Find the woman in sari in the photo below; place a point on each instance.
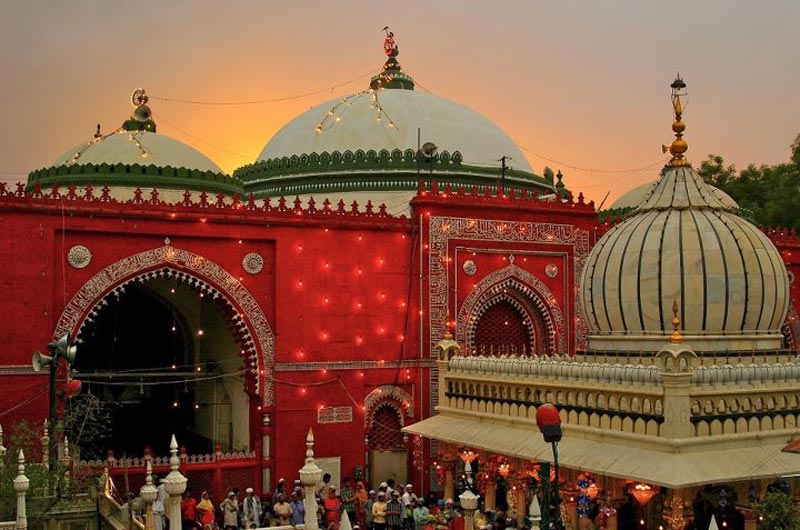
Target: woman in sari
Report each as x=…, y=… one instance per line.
x=205, y=512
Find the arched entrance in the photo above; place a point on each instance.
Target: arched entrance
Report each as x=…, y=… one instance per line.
x=385, y=412
x=509, y=309
x=172, y=351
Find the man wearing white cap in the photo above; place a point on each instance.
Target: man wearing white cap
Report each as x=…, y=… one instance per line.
x=408, y=499
x=379, y=512
x=230, y=511
x=251, y=509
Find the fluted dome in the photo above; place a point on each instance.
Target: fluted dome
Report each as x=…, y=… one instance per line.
x=638, y=195
x=684, y=242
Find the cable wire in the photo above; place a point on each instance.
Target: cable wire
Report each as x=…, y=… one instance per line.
x=273, y=100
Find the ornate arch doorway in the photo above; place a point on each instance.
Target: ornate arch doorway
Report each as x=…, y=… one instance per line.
x=510, y=311
x=386, y=410
x=170, y=351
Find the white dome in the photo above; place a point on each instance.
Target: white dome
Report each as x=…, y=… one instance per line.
x=121, y=148
x=683, y=243
x=636, y=196
x=452, y=127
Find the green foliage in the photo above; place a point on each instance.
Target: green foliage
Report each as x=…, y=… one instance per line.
x=778, y=512
x=767, y=195
x=22, y=436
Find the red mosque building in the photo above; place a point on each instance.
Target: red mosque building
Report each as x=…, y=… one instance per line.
x=309, y=289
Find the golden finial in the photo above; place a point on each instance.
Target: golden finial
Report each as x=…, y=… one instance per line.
x=678, y=146
x=676, y=336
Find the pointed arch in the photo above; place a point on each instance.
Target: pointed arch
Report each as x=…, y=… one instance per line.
x=249, y=320
x=529, y=288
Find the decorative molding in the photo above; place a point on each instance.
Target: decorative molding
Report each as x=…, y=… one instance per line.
x=335, y=415
x=531, y=287
x=79, y=256
x=88, y=200
x=19, y=369
x=132, y=175
x=380, y=170
x=353, y=365
x=469, y=267
x=252, y=263
x=444, y=229
x=389, y=395
x=248, y=314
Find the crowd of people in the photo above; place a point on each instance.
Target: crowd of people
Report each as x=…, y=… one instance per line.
x=389, y=507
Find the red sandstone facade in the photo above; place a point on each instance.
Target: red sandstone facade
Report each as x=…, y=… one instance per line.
x=337, y=330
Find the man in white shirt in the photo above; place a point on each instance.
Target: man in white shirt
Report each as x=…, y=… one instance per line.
x=409, y=500
x=252, y=510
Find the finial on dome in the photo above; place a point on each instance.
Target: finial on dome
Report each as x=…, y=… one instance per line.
x=678, y=146
x=392, y=75
x=389, y=45
x=676, y=336
x=142, y=117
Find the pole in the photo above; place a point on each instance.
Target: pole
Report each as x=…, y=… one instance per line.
x=557, y=522
x=503, y=168
x=51, y=442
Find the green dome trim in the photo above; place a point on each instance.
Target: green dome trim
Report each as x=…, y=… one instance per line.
x=135, y=175
x=372, y=171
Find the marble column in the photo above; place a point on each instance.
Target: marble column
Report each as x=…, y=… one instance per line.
x=175, y=485
x=449, y=480
x=21, y=485
x=310, y=475
x=149, y=494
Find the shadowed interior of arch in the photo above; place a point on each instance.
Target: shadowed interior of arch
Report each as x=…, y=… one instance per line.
x=162, y=352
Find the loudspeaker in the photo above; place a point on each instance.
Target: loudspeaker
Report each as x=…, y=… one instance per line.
x=64, y=347
x=40, y=361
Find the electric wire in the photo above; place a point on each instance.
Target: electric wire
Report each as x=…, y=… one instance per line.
x=273, y=100
x=161, y=118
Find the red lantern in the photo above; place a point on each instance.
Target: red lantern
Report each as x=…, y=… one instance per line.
x=549, y=422
x=72, y=388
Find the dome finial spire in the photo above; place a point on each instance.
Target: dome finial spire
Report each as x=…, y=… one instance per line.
x=678, y=146
x=392, y=75
x=142, y=117
x=676, y=336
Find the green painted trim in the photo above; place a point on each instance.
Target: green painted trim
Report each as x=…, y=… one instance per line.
x=135, y=175
x=318, y=171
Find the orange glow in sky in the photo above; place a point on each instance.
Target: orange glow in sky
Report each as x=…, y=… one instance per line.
x=585, y=84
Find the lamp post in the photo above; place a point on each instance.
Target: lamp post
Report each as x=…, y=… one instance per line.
x=549, y=423
x=62, y=348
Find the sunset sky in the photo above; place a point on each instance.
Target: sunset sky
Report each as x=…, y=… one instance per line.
x=585, y=84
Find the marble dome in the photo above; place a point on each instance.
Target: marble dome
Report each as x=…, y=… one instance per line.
x=133, y=158
x=354, y=125
x=371, y=146
x=636, y=196
x=684, y=243
x=156, y=149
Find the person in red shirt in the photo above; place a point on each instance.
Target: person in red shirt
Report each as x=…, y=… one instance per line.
x=188, y=510
x=333, y=509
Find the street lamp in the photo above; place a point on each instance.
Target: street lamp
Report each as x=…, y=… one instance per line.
x=62, y=348
x=549, y=422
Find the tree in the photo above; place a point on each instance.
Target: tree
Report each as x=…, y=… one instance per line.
x=767, y=195
x=777, y=512
x=87, y=424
